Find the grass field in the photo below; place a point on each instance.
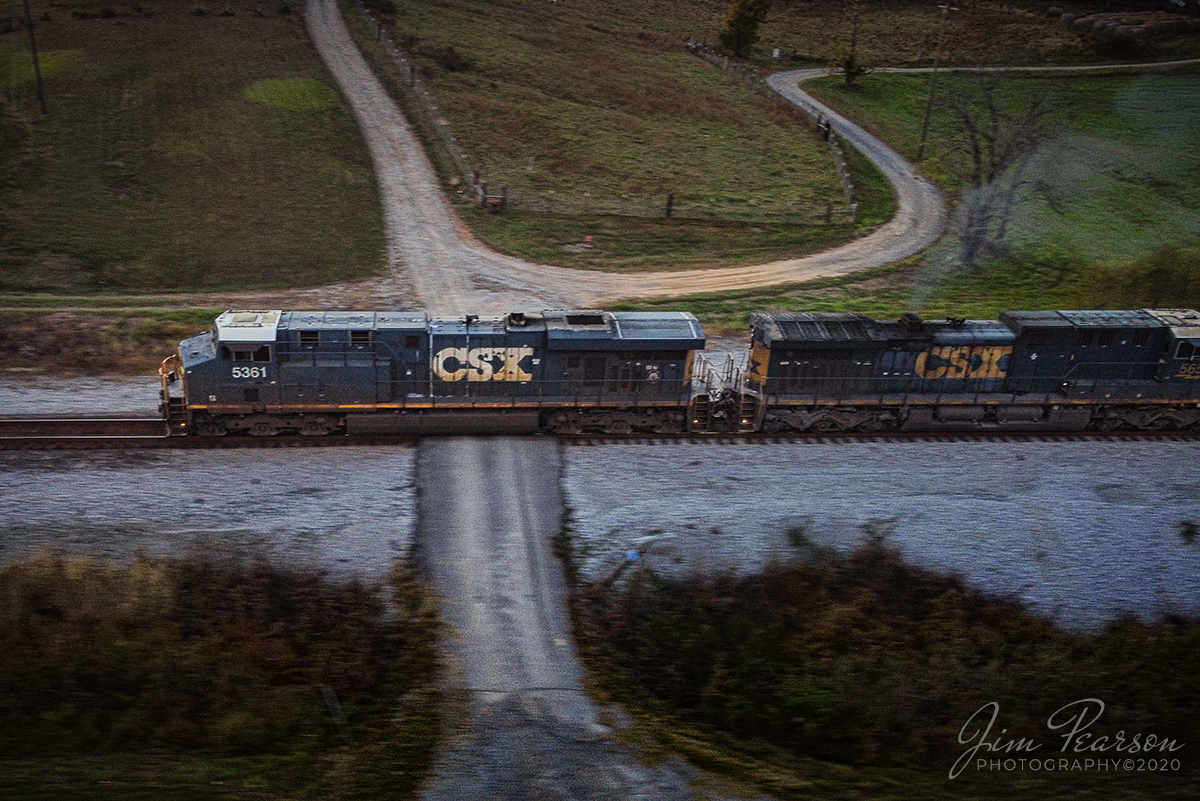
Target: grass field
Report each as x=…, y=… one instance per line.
x=181, y=151
x=1110, y=216
x=593, y=115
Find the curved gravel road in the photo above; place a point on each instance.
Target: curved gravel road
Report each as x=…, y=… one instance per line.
x=452, y=273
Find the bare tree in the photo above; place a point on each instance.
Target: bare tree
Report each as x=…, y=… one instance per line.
x=999, y=132
x=846, y=57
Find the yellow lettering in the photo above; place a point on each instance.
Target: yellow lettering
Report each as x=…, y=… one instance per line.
x=480, y=359
x=992, y=367
x=960, y=360
x=459, y=355
x=922, y=366
x=481, y=364
x=512, y=365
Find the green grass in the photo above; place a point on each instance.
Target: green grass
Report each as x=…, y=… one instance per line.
x=294, y=94
x=1117, y=178
x=1163, y=278
x=591, y=116
x=180, y=152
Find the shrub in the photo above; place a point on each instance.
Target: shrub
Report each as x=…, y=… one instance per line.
x=449, y=59
x=214, y=654
x=1164, y=278
x=866, y=659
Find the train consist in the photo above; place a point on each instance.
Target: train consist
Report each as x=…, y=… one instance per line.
x=587, y=371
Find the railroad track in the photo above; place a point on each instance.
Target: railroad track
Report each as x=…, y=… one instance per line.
x=89, y=428
x=110, y=431
x=96, y=432
x=825, y=438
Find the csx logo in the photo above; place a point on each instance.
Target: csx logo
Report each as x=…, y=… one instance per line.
x=964, y=362
x=481, y=364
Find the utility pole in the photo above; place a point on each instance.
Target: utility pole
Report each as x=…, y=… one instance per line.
x=37, y=69
x=937, y=58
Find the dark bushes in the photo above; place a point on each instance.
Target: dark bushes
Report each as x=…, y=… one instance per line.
x=867, y=659
x=1164, y=278
x=216, y=655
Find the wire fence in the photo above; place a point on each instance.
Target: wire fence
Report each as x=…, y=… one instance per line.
x=816, y=118
x=574, y=204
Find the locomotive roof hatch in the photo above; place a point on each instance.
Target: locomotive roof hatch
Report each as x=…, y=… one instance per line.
x=1184, y=323
x=816, y=328
x=602, y=330
x=248, y=326
x=808, y=330
x=352, y=321
x=1022, y=321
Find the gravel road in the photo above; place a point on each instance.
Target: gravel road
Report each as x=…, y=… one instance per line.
x=488, y=510
x=451, y=273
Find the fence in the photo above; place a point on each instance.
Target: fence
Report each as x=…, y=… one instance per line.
x=678, y=205
x=423, y=104
x=823, y=125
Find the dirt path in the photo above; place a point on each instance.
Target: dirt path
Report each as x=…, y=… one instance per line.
x=451, y=273
x=487, y=510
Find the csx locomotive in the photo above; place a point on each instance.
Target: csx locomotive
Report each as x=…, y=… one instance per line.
x=270, y=372
x=576, y=371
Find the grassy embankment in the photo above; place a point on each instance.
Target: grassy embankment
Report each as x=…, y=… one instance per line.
x=209, y=677
x=182, y=152
x=855, y=676
x=1109, y=218
x=593, y=114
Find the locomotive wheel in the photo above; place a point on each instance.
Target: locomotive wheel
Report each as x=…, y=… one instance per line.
x=562, y=423
x=315, y=428
x=263, y=429
x=211, y=428
x=619, y=427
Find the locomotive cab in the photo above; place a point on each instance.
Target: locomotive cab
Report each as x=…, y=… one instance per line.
x=1180, y=365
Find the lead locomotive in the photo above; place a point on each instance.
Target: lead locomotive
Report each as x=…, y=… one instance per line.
x=269, y=372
